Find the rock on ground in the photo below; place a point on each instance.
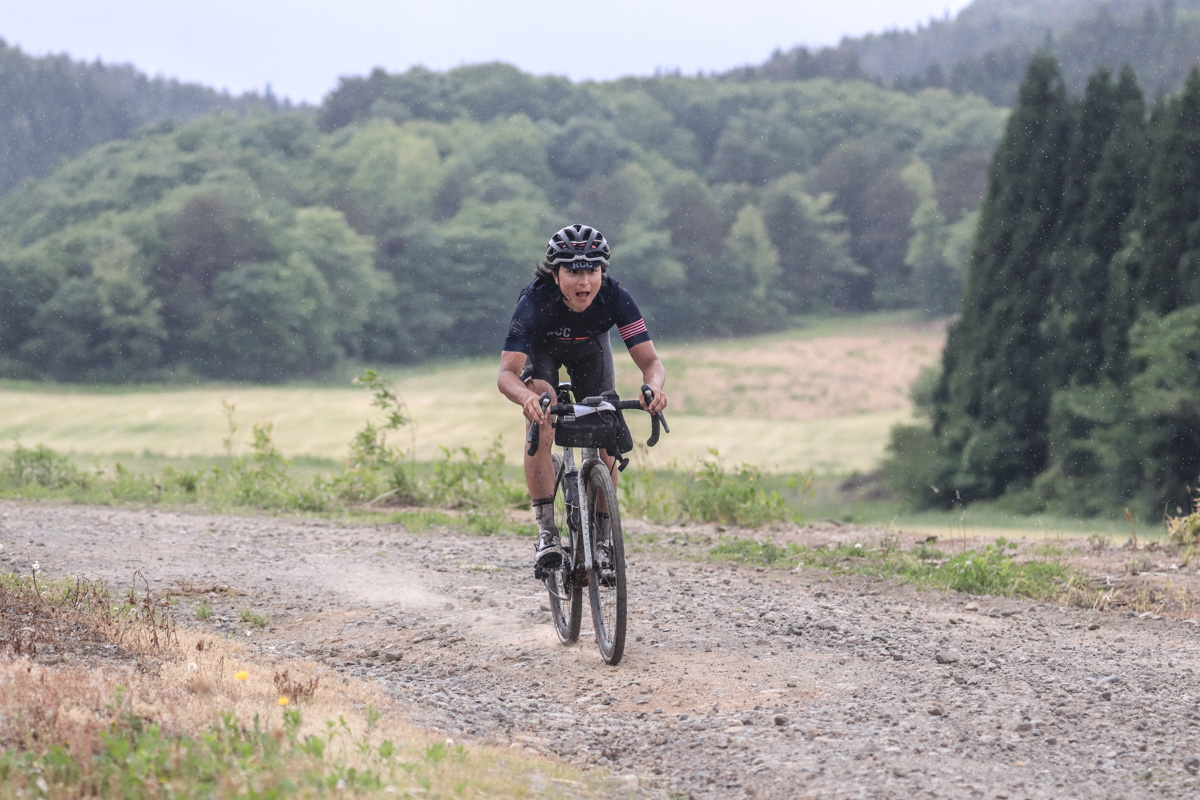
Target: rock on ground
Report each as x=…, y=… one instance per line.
x=737, y=682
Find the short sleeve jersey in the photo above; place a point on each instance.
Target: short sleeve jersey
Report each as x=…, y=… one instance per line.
x=541, y=316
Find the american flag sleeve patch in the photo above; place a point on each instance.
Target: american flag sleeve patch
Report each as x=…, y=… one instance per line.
x=632, y=329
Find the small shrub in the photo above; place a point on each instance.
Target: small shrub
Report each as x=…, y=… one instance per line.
x=264, y=478
x=375, y=470
x=38, y=466
x=464, y=480
x=924, y=552
x=1184, y=530
x=646, y=494
x=295, y=690
x=734, y=499
x=186, y=480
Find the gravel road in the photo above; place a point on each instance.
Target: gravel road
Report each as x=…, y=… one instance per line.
x=737, y=681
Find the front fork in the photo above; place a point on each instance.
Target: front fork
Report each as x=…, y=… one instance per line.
x=591, y=460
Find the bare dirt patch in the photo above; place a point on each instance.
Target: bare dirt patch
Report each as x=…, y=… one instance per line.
x=738, y=681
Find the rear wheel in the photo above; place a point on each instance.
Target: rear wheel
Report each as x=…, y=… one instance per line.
x=606, y=582
x=566, y=582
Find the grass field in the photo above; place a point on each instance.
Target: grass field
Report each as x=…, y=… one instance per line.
x=821, y=397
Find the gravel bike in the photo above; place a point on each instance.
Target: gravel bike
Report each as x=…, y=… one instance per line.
x=584, y=497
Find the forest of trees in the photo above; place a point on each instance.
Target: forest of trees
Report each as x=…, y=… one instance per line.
x=399, y=221
x=984, y=49
x=1072, y=378
x=56, y=108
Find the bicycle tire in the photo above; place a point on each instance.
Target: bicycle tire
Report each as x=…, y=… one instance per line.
x=608, y=592
x=565, y=583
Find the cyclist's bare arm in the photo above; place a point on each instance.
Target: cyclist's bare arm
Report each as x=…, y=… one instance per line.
x=511, y=386
x=654, y=374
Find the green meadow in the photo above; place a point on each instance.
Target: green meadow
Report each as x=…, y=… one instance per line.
x=820, y=398
x=804, y=409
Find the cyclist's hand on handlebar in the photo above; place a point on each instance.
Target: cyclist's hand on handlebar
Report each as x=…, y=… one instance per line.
x=659, y=404
x=532, y=406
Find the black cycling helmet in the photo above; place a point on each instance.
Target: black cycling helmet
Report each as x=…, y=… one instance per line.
x=577, y=243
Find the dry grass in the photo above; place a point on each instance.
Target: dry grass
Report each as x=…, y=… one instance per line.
x=786, y=402
x=72, y=675
x=804, y=379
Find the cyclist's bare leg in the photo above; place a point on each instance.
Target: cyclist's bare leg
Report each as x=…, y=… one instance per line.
x=539, y=468
x=611, y=463
x=539, y=478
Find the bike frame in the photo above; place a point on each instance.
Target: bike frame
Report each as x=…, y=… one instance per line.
x=590, y=457
x=569, y=578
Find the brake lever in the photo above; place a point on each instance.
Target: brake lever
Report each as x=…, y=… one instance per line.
x=655, y=419
x=534, y=436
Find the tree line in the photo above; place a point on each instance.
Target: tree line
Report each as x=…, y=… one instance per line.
x=985, y=49
x=1071, y=379
x=56, y=108
x=399, y=222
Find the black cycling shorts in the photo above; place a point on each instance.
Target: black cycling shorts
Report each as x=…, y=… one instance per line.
x=589, y=364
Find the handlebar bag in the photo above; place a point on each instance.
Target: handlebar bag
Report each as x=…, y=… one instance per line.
x=594, y=427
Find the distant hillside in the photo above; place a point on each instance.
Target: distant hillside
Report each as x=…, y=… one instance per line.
x=400, y=222
x=983, y=26
x=56, y=108
x=986, y=48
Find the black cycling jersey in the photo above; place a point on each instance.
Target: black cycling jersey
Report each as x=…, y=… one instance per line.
x=553, y=336
x=543, y=319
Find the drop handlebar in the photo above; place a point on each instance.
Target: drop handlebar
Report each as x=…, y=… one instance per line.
x=549, y=407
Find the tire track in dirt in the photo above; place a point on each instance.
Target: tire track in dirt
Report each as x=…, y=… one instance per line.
x=737, y=682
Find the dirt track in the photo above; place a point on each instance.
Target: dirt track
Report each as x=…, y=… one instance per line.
x=737, y=682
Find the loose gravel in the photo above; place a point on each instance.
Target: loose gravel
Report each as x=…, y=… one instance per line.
x=737, y=681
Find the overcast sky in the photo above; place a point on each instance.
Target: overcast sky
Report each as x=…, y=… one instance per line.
x=301, y=47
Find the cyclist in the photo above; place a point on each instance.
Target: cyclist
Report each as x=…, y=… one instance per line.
x=562, y=319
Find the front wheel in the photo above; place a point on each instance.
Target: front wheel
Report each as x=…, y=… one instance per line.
x=565, y=583
x=606, y=582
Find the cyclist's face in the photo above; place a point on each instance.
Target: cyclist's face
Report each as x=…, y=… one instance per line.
x=579, y=287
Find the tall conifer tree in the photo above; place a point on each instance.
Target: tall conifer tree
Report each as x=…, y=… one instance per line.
x=1077, y=278
x=1115, y=190
x=1172, y=206
x=994, y=393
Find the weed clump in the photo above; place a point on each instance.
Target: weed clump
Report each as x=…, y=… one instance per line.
x=57, y=619
x=991, y=570
x=139, y=712
x=1184, y=530
x=473, y=482
x=711, y=493
x=38, y=468
x=376, y=471
x=296, y=689
x=737, y=498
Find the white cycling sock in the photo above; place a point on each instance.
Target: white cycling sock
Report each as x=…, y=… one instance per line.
x=543, y=514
